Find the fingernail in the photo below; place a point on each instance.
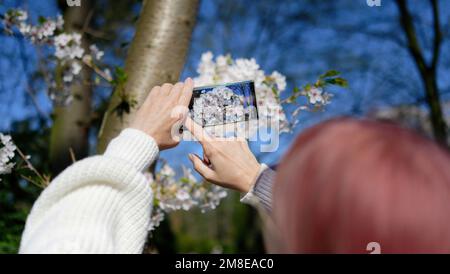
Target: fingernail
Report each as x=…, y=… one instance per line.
x=191, y=157
x=188, y=80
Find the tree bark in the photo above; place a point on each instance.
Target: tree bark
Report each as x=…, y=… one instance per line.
x=428, y=72
x=156, y=55
x=71, y=123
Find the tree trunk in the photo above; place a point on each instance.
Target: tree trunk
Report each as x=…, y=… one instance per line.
x=156, y=55
x=71, y=123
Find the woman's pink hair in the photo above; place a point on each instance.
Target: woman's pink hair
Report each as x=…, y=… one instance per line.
x=346, y=183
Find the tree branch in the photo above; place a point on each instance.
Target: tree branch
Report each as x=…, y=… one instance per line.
x=437, y=34
x=413, y=44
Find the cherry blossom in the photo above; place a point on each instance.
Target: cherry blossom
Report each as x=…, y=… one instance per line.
x=68, y=50
x=185, y=194
x=7, y=149
x=269, y=89
x=96, y=53
x=315, y=95
x=224, y=69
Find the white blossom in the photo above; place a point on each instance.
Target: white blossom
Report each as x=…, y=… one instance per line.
x=222, y=61
x=96, y=53
x=76, y=68
x=182, y=195
x=39, y=34
x=68, y=47
x=44, y=31
x=108, y=73
x=14, y=17
x=156, y=219
x=22, y=15
x=246, y=69
x=24, y=28
x=167, y=171
x=280, y=80
x=7, y=149
x=187, y=173
x=59, y=22
x=186, y=193
x=68, y=77
x=315, y=95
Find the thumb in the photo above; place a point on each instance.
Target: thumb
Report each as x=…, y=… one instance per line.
x=202, y=169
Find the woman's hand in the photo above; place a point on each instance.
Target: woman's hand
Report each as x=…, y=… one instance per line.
x=163, y=112
x=227, y=163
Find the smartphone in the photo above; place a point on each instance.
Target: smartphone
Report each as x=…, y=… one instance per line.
x=223, y=104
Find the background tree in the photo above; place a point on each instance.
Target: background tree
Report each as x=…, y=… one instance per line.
x=71, y=123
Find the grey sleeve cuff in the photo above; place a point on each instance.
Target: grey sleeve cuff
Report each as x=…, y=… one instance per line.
x=261, y=192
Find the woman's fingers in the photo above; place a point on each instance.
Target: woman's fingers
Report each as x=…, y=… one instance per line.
x=166, y=88
x=186, y=93
x=175, y=92
x=203, y=169
x=206, y=159
x=197, y=131
x=154, y=92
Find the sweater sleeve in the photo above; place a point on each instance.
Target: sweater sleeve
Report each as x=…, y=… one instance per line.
x=261, y=192
x=101, y=204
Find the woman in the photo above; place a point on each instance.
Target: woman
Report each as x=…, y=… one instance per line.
x=343, y=186
x=102, y=204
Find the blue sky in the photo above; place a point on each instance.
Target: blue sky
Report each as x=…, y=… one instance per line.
x=380, y=72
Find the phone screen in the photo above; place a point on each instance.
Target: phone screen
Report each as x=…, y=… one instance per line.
x=224, y=104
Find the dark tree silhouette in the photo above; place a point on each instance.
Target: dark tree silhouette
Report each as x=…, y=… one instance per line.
x=427, y=70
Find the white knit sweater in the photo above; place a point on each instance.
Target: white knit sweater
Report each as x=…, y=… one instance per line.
x=101, y=204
